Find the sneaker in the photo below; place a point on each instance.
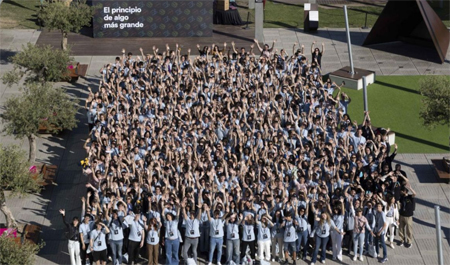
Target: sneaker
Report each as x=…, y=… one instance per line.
x=392, y=245
x=361, y=258
x=322, y=261
x=218, y=263
x=273, y=260
x=401, y=244
x=312, y=263
x=354, y=258
x=384, y=260
x=334, y=259
x=210, y=263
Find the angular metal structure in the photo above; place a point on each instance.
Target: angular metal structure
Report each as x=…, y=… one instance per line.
x=412, y=21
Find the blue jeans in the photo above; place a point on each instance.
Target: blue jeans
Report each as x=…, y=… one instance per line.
x=172, y=247
x=358, y=240
x=204, y=238
x=301, y=242
x=380, y=239
x=368, y=239
x=215, y=242
x=116, y=248
x=320, y=242
x=233, y=251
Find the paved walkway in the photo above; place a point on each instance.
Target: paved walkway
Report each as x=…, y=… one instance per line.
x=383, y=59
x=66, y=150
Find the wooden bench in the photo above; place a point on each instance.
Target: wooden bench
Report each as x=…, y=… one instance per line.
x=48, y=173
x=76, y=72
x=32, y=233
x=43, y=129
x=442, y=169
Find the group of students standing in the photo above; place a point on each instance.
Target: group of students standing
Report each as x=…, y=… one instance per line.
x=252, y=154
x=281, y=231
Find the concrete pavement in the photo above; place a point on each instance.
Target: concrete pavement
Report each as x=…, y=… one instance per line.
x=65, y=150
x=384, y=59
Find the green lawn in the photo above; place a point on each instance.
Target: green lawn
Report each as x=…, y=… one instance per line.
x=291, y=16
x=394, y=102
x=19, y=14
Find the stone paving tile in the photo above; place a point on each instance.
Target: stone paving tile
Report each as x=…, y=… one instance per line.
x=433, y=259
x=406, y=72
x=401, y=260
x=54, y=252
x=430, y=244
x=66, y=194
x=389, y=59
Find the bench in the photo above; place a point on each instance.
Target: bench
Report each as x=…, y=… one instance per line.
x=43, y=129
x=76, y=72
x=442, y=168
x=32, y=233
x=48, y=173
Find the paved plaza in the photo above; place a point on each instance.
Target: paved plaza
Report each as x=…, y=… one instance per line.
x=66, y=150
x=384, y=59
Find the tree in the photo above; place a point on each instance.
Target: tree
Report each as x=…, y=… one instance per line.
x=14, y=176
x=18, y=254
x=436, y=100
x=40, y=104
x=66, y=17
x=38, y=64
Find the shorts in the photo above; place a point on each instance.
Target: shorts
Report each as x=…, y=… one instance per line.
x=100, y=256
x=291, y=244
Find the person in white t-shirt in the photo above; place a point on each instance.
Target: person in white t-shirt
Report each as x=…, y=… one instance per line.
x=153, y=229
x=98, y=243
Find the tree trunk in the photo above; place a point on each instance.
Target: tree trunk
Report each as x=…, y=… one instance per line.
x=64, y=41
x=10, y=221
x=32, y=143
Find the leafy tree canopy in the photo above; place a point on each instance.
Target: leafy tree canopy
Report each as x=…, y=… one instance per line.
x=14, y=171
x=436, y=102
x=42, y=104
x=14, y=254
x=38, y=63
x=58, y=15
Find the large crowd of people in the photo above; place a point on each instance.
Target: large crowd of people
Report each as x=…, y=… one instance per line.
x=237, y=156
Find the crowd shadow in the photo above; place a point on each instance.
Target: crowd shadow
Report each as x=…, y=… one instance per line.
x=425, y=173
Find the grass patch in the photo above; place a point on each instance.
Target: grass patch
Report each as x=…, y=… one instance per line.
x=19, y=14
x=394, y=102
x=291, y=16
x=279, y=15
